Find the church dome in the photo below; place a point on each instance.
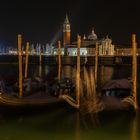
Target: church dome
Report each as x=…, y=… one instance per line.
x=93, y=36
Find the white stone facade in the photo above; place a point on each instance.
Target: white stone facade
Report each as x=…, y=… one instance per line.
x=106, y=47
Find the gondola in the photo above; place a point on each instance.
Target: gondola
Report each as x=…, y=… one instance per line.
x=117, y=95
x=6, y=99
x=35, y=92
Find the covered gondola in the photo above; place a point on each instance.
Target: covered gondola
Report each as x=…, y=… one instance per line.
x=36, y=91
x=117, y=94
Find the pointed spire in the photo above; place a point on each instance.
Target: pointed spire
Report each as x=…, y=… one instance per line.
x=84, y=37
x=67, y=19
x=93, y=32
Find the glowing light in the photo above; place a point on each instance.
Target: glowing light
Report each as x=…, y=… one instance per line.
x=57, y=36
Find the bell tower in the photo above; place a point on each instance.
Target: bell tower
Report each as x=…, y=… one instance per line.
x=66, y=31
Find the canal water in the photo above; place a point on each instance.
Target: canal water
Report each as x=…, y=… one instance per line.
x=62, y=122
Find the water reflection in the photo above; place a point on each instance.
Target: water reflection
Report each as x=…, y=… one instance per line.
x=77, y=126
x=108, y=73
x=46, y=70
x=40, y=70
x=134, y=128
x=105, y=74
x=52, y=123
x=86, y=126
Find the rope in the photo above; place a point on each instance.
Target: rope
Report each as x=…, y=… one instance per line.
x=128, y=99
x=70, y=100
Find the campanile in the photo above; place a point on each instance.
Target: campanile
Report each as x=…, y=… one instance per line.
x=66, y=31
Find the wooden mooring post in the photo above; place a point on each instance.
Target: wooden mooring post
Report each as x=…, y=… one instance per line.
x=59, y=60
x=40, y=57
x=96, y=64
x=40, y=63
x=20, y=64
x=78, y=71
x=26, y=60
x=134, y=70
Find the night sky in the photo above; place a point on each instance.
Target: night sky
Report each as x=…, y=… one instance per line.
x=41, y=21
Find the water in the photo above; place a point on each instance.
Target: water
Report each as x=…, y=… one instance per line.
x=63, y=122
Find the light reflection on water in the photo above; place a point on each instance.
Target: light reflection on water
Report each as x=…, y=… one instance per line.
x=77, y=127
x=64, y=122
x=134, y=128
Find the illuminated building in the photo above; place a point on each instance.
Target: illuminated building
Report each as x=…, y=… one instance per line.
x=106, y=47
x=87, y=43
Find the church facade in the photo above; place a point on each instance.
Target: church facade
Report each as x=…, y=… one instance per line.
x=88, y=44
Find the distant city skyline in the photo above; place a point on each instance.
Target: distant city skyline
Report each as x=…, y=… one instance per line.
x=42, y=21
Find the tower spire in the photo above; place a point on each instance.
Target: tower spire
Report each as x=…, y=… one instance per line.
x=67, y=19
x=66, y=31
x=93, y=32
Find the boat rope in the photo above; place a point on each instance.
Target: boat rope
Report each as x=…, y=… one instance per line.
x=128, y=99
x=69, y=100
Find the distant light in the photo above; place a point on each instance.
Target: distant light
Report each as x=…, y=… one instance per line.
x=55, y=53
x=85, y=52
x=56, y=37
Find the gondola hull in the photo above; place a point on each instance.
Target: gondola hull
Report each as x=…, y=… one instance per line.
x=9, y=100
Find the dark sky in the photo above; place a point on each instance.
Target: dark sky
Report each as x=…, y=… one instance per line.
x=41, y=21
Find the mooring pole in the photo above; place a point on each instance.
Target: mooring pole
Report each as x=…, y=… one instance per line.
x=134, y=69
x=40, y=57
x=96, y=63
x=26, y=60
x=78, y=71
x=40, y=62
x=20, y=64
x=59, y=60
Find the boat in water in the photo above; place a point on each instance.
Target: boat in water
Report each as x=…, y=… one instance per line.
x=117, y=95
x=35, y=92
x=114, y=95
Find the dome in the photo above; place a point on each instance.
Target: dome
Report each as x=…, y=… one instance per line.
x=107, y=39
x=92, y=36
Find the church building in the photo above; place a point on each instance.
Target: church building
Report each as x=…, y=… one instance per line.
x=87, y=43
